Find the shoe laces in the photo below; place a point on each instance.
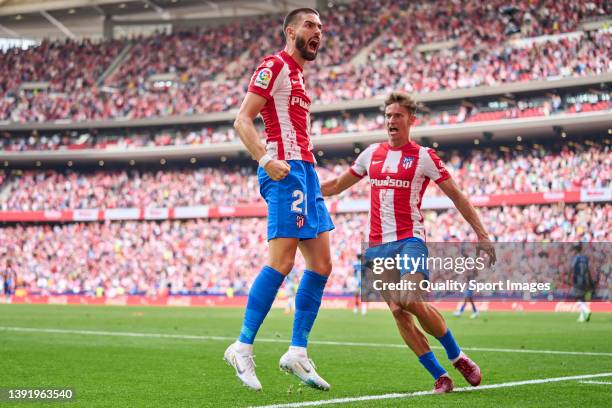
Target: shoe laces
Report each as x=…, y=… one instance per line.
x=464, y=365
x=439, y=381
x=250, y=363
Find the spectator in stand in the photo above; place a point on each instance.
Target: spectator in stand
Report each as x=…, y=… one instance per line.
x=144, y=257
x=484, y=171
x=544, y=105
x=372, y=47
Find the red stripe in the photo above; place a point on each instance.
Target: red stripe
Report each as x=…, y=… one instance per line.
x=375, y=224
x=354, y=173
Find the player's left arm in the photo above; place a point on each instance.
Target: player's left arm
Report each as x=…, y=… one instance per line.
x=467, y=210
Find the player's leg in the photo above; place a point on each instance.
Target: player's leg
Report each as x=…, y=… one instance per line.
x=429, y=317
x=585, y=312
x=461, y=308
x=317, y=255
x=398, y=302
x=416, y=340
x=433, y=323
x=307, y=303
x=261, y=296
x=266, y=285
x=475, y=312
x=313, y=224
x=283, y=236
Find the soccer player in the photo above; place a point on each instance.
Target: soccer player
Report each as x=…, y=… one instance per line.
x=583, y=284
x=297, y=216
x=468, y=295
x=356, y=287
x=9, y=279
x=399, y=172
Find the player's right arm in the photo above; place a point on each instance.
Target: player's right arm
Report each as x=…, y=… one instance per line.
x=356, y=172
x=250, y=108
x=339, y=184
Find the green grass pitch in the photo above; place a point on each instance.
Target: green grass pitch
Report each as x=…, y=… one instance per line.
x=108, y=370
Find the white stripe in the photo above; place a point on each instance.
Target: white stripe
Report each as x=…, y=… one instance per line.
x=596, y=382
x=418, y=229
x=391, y=161
x=284, y=341
x=421, y=393
x=281, y=98
x=387, y=214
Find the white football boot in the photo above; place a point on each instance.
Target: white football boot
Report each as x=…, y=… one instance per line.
x=298, y=364
x=244, y=364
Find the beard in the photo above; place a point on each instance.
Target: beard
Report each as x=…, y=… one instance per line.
x=301, y=45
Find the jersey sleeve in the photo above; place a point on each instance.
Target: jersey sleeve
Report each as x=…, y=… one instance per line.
x=265, y=76
x=362, y=163
x=434, y=168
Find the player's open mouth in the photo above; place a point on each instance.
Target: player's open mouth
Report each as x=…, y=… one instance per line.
x=392, y=130
x=313, y=44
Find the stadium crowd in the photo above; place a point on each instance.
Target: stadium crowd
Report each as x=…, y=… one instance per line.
x=371, y=46
x=534, y=168
x=217, y=255
x=346, y=122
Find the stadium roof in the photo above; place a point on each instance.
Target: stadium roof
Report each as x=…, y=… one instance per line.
x=39, y=19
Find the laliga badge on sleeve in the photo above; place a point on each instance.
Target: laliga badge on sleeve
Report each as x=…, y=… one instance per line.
x=263, y=78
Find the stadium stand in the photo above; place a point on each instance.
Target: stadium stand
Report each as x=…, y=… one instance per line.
x=502, y=108
x=198, y=71
x=133, y=257
x=496, y=170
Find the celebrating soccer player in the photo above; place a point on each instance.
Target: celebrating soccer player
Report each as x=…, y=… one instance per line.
x=297, y=216
x=399, y=172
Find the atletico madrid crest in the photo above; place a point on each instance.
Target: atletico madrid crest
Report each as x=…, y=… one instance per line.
x=407, y=162
x=299, y=220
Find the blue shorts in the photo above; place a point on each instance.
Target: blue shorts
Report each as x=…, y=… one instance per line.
x=295, y=204
x=412, y=249
x=469, y=293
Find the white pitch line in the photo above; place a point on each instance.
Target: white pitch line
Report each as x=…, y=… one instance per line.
x=285, y=341
x=421, y=393
x=596, y=382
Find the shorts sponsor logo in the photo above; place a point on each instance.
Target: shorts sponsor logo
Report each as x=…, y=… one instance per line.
x=263, y=78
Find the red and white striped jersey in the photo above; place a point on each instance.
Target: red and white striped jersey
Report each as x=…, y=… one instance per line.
x=286, y=114
x=398, y=179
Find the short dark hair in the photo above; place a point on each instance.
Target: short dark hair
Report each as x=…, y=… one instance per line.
x=402, y=99
x=293, y=15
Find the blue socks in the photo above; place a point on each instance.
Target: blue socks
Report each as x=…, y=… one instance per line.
x=450, y=345
x=432, y=365
x=261, y=296
x=307, y=303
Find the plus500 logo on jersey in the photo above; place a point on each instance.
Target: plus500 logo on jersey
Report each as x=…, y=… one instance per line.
x=390, y=182
x=296, y=100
